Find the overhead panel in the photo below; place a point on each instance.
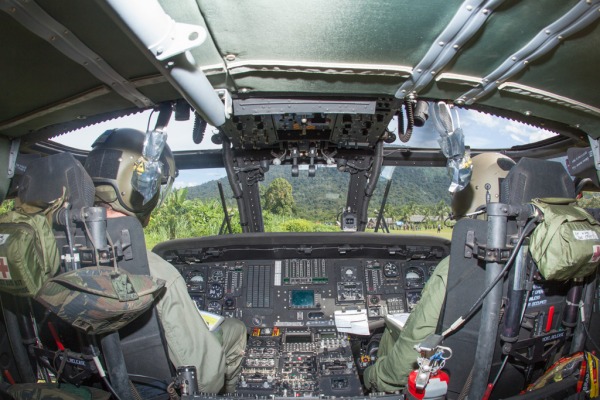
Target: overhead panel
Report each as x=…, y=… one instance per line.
x=261, y=123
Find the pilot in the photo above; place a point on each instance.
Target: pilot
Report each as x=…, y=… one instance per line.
x=396, y=356
x=217, y=356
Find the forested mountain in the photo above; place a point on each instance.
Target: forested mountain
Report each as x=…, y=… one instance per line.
x=324, y=195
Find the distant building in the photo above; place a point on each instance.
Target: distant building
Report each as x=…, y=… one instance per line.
x=373, y=221
x=417, y=219
x=421, y=219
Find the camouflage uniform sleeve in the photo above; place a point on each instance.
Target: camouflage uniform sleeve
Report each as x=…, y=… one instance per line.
x=188, y=339
x=396, y=355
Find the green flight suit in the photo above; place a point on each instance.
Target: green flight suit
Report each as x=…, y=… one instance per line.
x=217, y=357
x=396, y=356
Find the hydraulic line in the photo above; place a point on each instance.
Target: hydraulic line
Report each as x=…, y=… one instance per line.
x=371, y=184
x=410, y=122
x=233, y=182
x=199, y=128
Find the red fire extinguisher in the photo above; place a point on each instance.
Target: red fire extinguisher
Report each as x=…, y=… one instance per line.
x=435, y=389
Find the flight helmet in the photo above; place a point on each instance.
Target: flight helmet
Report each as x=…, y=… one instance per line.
x=114, y=159
x=489, y=169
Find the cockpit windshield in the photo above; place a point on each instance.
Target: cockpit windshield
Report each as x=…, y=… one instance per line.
x=406, y=200
x=482, y=131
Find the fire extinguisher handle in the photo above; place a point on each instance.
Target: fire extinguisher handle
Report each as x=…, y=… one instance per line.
x=488, y=391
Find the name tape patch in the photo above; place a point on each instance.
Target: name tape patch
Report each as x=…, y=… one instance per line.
x=585, y=235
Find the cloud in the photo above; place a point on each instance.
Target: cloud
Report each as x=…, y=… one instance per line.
x=541, y=134
x=478, y=141
x=517, y=138
x=486, y=131
x=475, y=119
x=195, y=177
x=182, y=184
x=522, y=133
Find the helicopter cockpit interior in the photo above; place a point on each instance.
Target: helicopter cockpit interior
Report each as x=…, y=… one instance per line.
x=348, y=91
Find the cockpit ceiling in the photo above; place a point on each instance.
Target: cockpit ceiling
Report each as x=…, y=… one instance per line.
x=534, y=59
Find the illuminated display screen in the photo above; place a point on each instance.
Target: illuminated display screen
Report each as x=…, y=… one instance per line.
x=302, y=299
x=298, y=339
x=328, y=335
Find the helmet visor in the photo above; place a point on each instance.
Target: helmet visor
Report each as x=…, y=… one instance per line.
x=165, y=190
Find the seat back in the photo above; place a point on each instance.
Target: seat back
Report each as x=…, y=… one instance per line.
x=528, y=179
x=43, y=182
x=142, y=341
x=142, y=344
x=466, y=280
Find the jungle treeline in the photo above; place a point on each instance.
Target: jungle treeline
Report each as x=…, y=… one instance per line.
x=300, y=204
x=322, y=197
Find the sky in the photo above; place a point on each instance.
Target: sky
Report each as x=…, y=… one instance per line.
x=179, y=138
x=481, y=131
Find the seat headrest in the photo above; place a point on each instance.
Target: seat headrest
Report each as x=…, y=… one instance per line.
x=533, y=178
x=45, y=178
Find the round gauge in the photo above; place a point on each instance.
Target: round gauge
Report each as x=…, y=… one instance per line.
x=390, y=270
x=215, y=291
x=199, y=301
x=412, y=298
x=229, y=303
x=217, y=275
x=196, y=281
x=414, y=278
x=349, y=274
x=214, y=307
x=430, y=269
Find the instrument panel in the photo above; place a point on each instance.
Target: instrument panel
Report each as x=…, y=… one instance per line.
x=305, y=292
x=299, y=294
